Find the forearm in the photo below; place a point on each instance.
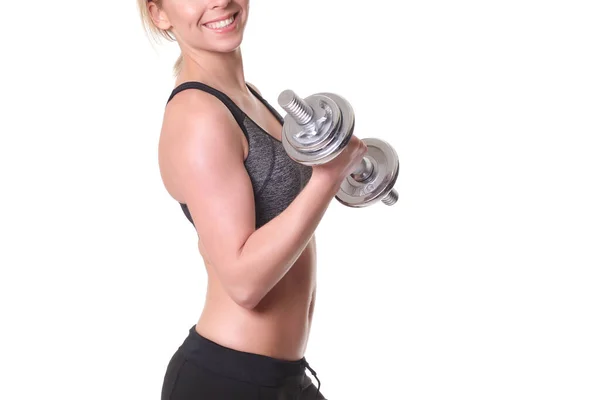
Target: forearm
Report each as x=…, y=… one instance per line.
x=272, y=250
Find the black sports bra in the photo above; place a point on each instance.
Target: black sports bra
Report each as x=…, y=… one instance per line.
x=276, y=178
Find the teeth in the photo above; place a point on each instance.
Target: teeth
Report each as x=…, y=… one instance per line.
x=221, y=24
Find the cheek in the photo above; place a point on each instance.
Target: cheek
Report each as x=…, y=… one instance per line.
x=190, y=14
x=245, y=5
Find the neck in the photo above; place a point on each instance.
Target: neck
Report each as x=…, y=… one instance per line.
x=223, y=71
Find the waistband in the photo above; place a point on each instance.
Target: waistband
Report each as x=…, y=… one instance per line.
x=243, y=366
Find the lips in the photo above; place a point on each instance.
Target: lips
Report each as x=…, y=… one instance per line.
x=224, y=18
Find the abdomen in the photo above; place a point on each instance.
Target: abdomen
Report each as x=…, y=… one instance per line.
x=278, y=327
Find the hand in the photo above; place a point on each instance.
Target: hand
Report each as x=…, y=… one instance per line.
x=338, y=169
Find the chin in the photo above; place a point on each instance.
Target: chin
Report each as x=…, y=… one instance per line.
x=228, y=47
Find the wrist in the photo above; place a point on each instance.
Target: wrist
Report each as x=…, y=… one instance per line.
x=325, y=182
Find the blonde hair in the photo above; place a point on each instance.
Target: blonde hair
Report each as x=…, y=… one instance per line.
x=156, y=33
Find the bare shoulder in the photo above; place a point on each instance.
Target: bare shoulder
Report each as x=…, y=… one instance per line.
x=196, y=128
x=195, y=106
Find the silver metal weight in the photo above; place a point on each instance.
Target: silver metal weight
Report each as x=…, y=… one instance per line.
x=315, y=129
x=318, y=128
x=374, y=179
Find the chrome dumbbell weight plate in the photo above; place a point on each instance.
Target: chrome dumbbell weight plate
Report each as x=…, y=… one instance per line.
x=379, y=185
x=317, y=131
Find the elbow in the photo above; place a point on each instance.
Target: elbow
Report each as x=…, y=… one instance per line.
x=247, y=299
x=245, y=296
x=245, y=291
x=248, y=296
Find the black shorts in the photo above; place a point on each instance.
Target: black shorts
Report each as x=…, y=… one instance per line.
x=201, y=369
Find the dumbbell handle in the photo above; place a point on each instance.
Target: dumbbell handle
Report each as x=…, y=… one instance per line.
x=303, y=113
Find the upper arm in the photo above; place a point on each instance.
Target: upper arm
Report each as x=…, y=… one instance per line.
x=208, y=161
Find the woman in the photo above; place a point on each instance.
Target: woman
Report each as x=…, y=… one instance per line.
x=254, y=209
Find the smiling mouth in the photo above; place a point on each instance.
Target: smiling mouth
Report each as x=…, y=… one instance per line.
x=222, y=24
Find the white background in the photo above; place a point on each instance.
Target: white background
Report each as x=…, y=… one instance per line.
x=480, y=283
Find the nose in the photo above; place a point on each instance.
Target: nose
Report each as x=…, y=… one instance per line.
x=219, y=3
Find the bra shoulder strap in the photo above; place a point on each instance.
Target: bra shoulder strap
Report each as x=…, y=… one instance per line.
x=235, y=110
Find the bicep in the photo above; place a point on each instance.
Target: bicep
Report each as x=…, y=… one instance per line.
x=217, y=189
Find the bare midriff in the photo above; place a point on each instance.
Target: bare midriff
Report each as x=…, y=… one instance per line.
x=278, y=326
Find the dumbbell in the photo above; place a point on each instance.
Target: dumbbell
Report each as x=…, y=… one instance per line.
x=316, y=129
